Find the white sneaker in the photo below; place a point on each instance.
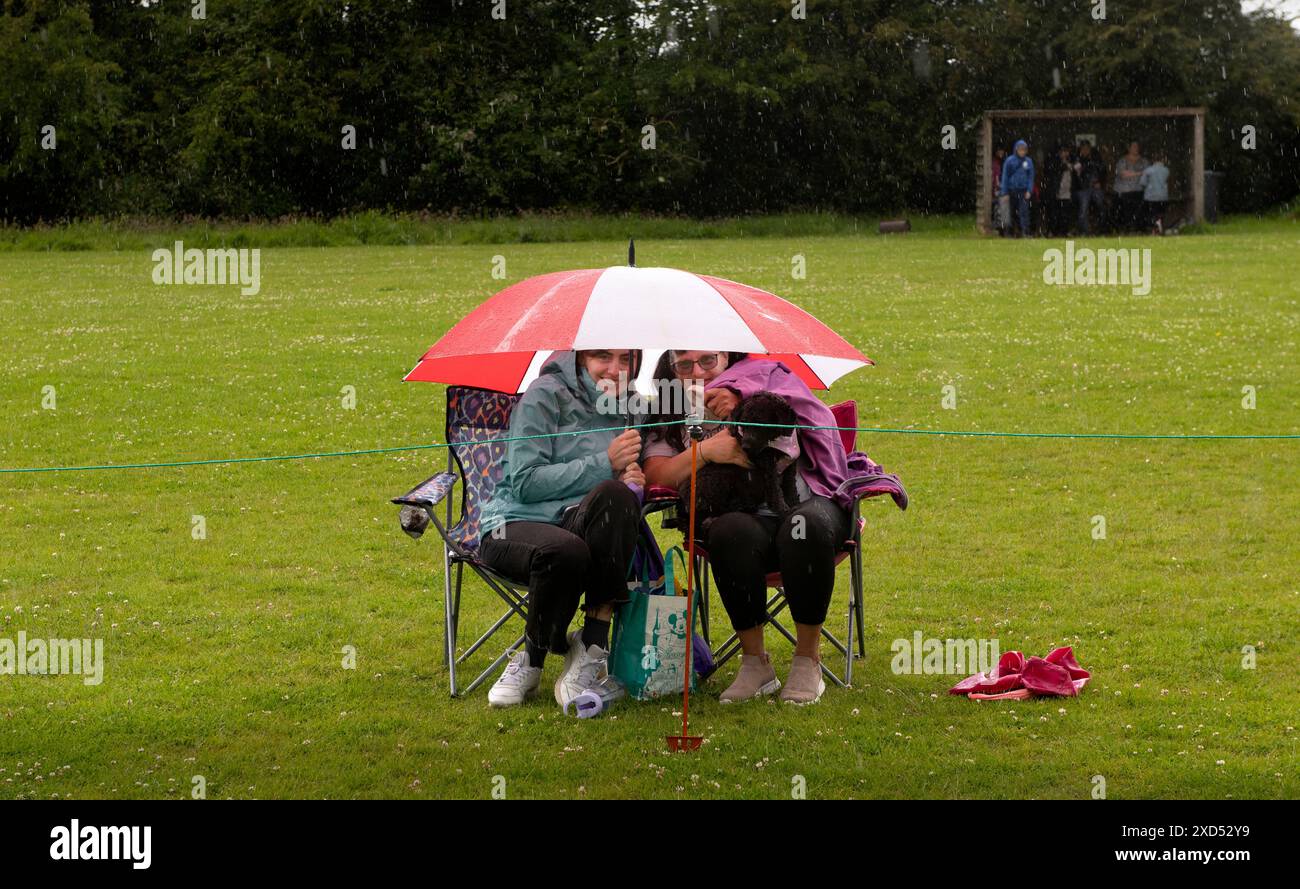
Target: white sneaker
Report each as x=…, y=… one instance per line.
x=517, y=684
x=583, y=668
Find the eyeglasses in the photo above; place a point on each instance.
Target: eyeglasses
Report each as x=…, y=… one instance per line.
x=706, y=362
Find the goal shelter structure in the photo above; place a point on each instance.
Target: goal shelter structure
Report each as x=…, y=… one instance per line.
x=1177, y=133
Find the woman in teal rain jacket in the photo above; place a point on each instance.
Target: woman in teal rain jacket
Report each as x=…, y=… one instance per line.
x=564, y=518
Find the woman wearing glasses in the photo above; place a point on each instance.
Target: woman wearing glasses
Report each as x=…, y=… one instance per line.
x=564, y=519
x=745, y=547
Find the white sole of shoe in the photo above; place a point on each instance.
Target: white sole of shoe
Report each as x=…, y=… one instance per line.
x=501, y=705
x=768, y=688
x=821, y=690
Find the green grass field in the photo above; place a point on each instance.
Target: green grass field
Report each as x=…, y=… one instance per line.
x=224, y=655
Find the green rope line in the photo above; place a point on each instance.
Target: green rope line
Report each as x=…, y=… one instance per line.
x=1105, y=435
x=278, y=457
x=434, y=445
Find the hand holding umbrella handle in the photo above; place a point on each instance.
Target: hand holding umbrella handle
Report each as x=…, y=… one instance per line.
x=695, y=412
x=636, y=488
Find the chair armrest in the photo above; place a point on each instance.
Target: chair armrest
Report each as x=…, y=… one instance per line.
x=661, y=498
x=656, y=493
x=862, y=487
x=868, y=479
x=418, y=503
x=430, y=492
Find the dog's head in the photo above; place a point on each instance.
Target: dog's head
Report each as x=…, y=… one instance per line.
x=771, y=410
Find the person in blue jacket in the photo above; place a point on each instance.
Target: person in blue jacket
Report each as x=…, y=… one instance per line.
x=1018, y=184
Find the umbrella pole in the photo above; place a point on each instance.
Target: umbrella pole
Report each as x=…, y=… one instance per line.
x=685, y=741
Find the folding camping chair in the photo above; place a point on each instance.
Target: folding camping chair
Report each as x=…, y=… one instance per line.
x=660, y=498
x=474, y=417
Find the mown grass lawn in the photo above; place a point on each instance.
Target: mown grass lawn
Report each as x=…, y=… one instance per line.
x=224, y=655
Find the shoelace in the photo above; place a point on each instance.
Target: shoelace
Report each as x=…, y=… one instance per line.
x=515, y=667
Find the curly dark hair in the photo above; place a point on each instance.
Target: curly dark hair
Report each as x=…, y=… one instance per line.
x=674, y=434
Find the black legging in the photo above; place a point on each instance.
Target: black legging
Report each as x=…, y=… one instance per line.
x=589, y=551
x=743, y=548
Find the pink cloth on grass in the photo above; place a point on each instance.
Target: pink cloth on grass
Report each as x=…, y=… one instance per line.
x=1016, y=678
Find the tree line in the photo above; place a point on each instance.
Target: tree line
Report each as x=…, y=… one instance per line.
x=251, y=108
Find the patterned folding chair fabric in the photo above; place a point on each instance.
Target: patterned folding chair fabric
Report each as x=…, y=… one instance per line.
x=474, y=417
x=476, y=420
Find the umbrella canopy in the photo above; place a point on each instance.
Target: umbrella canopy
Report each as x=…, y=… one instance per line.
x=503, y=343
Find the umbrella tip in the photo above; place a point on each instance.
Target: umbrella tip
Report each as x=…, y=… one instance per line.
x=631, y=252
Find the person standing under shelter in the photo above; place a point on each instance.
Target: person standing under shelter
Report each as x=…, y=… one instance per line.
x=1128, y=190
x=1062, y=183
x=1155, y=194
x=1018, y=184
x=1088, y=173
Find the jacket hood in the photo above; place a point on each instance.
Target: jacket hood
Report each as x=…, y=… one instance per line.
x=565, y=366
x=1020, y=142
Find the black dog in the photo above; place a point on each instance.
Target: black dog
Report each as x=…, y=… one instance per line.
x=725, y=487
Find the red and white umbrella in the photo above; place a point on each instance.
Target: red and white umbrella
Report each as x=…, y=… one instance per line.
x=503, y=343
